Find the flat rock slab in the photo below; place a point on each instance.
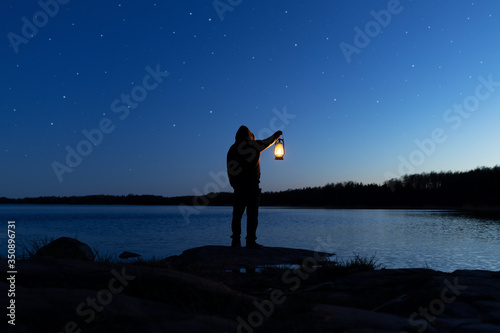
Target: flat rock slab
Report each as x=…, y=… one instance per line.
x=144, y=298
x=213, y=257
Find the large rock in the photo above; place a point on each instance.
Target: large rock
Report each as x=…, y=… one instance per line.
x=128, y=255
x=67, y=248
x=213, y=257
x=156, y=296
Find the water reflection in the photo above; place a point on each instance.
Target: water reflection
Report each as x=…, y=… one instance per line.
x=442, y=240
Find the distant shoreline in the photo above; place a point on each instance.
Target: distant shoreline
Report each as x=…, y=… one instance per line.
x=476, y=191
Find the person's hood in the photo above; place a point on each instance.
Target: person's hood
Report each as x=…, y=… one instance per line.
x=243, y=134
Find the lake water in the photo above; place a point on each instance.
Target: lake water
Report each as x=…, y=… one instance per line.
x=441, y=240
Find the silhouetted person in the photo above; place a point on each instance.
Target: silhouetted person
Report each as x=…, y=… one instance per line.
x=243, y=168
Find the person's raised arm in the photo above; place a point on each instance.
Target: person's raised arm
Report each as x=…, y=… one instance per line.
x=266, y=143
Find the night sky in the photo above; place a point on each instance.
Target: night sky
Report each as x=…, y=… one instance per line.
x=145, y=97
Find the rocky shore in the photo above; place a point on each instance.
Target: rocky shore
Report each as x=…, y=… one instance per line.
x=224, y=289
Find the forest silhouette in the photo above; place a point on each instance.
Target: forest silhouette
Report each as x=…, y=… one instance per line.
x=478, y=188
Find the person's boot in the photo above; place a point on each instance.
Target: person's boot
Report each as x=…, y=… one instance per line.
x=253, y=245
x=236, y=242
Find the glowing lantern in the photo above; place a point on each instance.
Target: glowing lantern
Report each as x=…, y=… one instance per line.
x=279, y=149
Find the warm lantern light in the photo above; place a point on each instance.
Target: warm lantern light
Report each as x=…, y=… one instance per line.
x=279, y=149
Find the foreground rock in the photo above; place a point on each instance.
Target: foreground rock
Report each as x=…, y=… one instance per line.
x=216, y=258
x=128, y=255
x=413, y=300
x=67, y=248
x=199, y=291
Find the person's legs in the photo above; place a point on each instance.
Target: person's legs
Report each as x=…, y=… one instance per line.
x=252, y=215
x=239, y=204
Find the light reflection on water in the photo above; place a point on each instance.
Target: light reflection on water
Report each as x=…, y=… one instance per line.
x=442, y=240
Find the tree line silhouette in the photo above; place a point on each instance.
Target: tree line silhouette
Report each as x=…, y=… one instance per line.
x=478, y=188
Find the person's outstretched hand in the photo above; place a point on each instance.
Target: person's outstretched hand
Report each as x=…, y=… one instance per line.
x=277, y=134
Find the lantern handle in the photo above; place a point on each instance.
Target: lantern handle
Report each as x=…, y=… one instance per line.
x=281, y=139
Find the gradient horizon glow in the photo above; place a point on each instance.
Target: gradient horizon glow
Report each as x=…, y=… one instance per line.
x=150, y=94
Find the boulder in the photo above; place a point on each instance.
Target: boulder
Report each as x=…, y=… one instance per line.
x=67, y=248
x=221, y=258
x=128, y=255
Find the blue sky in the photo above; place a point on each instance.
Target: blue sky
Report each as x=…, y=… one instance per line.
x=418, y=90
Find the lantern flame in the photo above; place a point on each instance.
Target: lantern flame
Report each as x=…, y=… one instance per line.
x=279, y=149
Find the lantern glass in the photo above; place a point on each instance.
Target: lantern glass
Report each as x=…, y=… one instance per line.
x=279, y=149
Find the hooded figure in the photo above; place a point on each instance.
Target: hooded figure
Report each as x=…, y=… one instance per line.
x=243, y=169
